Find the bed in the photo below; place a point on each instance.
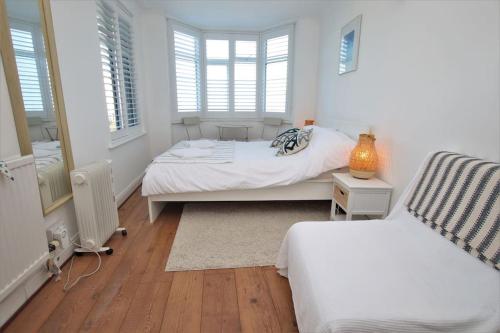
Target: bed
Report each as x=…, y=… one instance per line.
x=393, y=275
x=53, y=180
x=255, y=173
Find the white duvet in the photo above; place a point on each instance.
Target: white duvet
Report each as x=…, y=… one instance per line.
x=255, y=166
x=396, y=275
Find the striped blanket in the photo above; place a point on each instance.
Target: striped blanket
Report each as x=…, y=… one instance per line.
x=223, y=152
x=458, y=196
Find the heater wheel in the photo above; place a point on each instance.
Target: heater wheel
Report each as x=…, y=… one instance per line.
x=109, y=252
x=124, y=232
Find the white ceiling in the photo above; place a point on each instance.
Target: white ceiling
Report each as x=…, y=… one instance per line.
x=236, y=14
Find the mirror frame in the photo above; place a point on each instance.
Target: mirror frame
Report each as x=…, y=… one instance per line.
x=16, y=98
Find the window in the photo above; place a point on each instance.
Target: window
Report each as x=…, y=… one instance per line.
x=245, y=76
x=231, y=74
x=217, y=55
x=118, y=71
x=32, y=68
x=276, y=73
x=187, y=72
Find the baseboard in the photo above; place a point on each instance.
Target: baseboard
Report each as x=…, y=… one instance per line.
x=123, y=195
x=33, y=283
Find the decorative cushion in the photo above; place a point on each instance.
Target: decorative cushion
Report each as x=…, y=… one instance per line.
x=281, y=138
x=296, y=143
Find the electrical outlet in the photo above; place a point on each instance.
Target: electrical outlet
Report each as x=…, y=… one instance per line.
x=60, y=234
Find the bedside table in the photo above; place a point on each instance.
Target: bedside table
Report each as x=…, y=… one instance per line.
x=359, y=197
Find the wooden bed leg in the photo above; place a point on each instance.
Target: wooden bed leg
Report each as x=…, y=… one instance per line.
x=155, y=208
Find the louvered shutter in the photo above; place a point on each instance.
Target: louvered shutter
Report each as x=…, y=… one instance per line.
x=276, y=74
x=128, y=71
x=217, y=75
x=27, y=67
x=245, y=76
x=107, y=29
x=187, y=72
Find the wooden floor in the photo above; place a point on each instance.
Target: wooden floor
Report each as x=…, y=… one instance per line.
x=133, y=293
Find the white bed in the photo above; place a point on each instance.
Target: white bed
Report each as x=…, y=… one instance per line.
x=255, y=174
x=393, y=275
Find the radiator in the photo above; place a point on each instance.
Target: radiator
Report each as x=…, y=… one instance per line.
x=95, y=205
x=23, y=243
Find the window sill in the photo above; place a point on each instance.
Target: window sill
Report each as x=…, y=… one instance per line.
x=125, y=139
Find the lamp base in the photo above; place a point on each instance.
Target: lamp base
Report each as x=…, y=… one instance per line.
x=362, y=174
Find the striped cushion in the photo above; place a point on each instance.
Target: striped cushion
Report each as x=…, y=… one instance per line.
x=458, y=196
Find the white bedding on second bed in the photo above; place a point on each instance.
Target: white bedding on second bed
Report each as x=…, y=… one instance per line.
x=393, y=275
x=254, y=166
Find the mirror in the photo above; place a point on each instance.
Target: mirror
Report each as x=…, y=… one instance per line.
x=39, y=115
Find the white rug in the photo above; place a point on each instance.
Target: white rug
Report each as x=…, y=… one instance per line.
x=237, y=234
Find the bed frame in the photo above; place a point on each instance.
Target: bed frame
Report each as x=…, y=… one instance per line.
x=319, y=188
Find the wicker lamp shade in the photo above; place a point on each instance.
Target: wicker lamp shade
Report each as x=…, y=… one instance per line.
x=363, y=162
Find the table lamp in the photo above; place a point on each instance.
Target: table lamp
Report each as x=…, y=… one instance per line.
x=363, y=162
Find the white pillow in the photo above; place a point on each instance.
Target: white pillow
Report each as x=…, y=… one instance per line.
x=330, y=149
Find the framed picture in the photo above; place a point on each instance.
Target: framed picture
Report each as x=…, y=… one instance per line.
x=349, y=46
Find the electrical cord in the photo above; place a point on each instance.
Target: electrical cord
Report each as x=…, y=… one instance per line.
x=66, y=287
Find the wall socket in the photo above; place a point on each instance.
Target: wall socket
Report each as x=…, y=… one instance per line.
x=59, y=233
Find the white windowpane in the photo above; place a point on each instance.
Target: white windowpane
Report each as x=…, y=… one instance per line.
x=107, y=30
x=128, y=69
x=245, y=87
x=217, y=49
x=217, y=88
x=118, y=68
x=246, y=49
x=276, y=71
x=27, y=68
x=277, y=48
x=187, y=72
x=276, y=84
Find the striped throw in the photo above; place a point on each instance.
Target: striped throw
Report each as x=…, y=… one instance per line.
x=459, y=197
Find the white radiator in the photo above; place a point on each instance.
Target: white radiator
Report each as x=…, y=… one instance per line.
x=23, y=243
x=95, y=205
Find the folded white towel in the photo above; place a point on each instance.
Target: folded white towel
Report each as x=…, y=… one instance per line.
x=200, y=143
x=191, y=152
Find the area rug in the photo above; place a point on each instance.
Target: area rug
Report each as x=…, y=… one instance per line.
x=237, y=234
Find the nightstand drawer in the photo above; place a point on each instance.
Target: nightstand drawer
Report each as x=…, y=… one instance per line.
x=340, y=195
x=370, y=202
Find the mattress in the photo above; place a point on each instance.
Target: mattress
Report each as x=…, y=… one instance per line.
x=255, y=165
x=393, y=275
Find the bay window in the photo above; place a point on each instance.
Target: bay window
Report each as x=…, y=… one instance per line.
x=231, y=74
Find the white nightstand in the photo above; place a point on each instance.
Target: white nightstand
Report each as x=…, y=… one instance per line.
x=359, y=197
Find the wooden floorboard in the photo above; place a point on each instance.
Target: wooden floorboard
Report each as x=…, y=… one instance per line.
x=133, y=293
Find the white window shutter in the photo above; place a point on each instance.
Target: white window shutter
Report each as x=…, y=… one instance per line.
x=107, y=29
x=217, y=57
x=187, y=72
x=128, y=72
x=276, y=74
x=245, y=76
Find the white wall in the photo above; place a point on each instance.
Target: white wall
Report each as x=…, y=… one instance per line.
x=156, y=85
x=84, y=99
x=428, y=79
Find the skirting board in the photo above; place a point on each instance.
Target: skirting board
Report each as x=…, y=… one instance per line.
x=34, y=280
x=314, y=189
x=123, y=195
